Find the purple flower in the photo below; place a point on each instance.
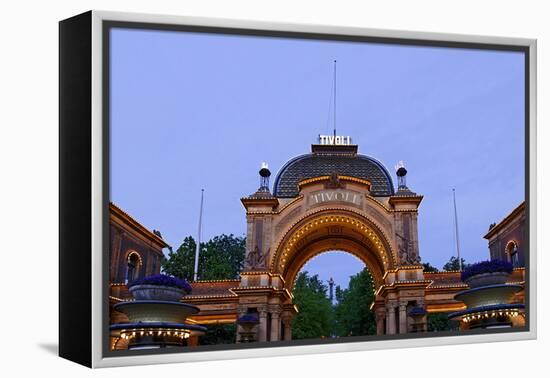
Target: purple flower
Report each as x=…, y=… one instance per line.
x=163, y=280
x=248, y=318
x=490, y=266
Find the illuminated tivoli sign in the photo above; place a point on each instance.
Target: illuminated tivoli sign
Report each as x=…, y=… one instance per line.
x=335, y=195
x=335, y=139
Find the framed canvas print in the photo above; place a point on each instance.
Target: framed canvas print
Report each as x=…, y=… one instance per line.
x=232, y=189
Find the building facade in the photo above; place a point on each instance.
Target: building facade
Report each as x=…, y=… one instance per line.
x=134, y=252
x=331, y=199
x=507, y=239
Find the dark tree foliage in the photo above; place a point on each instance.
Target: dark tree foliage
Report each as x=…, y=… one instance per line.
x=490, y=266
x=429, y=268
x=438, y=322
x=221, y=257
x=219, y=334
x=352, y=313
x=452, y=264
x=315, y=316
x=180, y=263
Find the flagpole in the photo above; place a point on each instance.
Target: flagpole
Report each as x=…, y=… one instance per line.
x=196, y=270
x=334, y=98
x=456, y=234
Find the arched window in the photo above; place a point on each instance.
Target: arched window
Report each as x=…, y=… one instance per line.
x=133, y=264
x=512, y=253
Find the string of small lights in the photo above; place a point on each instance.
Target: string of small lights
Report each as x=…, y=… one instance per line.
x=130, y=334
x=491, y=314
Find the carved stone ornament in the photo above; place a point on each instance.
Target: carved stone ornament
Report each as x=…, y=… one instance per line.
x=334, y=182
x=406, y=251
x=255, y=260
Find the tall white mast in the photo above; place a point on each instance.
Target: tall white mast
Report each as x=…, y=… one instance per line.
x=197, y=250
x=456, y=234
x=334, y=99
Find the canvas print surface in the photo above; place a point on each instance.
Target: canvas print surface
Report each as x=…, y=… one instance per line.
x=276, y=191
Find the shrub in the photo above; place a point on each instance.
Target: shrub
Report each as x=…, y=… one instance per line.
x=490, y=266
x=163, y=280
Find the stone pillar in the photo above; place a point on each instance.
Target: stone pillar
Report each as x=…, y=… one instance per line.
x=390, y=318
x=193, y=341
x=403, y=317
x=262, y=327
x=275, y=326
x=288, y=331
x=380, y=314
x=287, y=321
x=424, y=321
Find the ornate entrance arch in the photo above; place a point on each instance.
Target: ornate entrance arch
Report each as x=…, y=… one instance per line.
x=332, y=199
x=332, y=229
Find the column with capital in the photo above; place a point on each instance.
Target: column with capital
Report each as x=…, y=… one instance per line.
x=390, y=318
x=380, y=313
x=424, y=321
x=275, y=327
x=403, y=316
x=262, y=327
x=287, y=322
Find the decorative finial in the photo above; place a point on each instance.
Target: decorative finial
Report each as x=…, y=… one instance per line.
x=401, y=173
x=264, y=177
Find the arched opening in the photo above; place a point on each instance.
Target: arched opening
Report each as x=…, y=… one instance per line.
x=333, y=230
x=334, y=268
x=512, y=253
x=133, y=263
x=326, y=245
x=337, y=229
x=333, y=291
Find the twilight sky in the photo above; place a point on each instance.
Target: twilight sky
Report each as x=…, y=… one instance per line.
x=192, y=111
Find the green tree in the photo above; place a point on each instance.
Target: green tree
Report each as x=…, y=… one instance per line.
x=315, y=315
x=221, y=257
x=352, y=313
x=452, y=264
x=180, y=263
x=429, y=268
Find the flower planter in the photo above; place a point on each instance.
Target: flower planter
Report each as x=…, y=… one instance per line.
x=486, y=279
x=248, y=325
x=488, y=295
x=156, y=311
x=157, y=292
